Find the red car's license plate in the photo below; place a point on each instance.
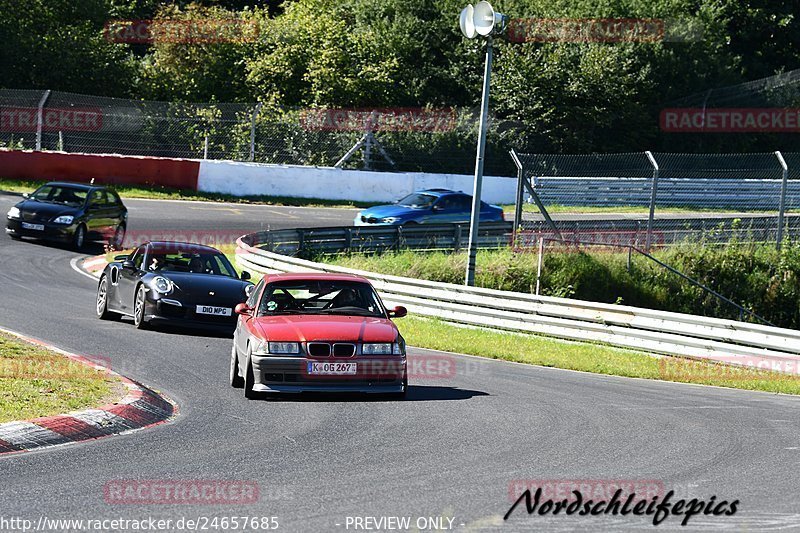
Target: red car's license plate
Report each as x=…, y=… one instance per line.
x=332, y=369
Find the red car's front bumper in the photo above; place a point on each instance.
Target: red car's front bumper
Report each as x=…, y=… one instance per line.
x=291, y=374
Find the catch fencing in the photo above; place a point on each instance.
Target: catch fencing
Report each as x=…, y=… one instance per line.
x=646, y=199
x=437, y=140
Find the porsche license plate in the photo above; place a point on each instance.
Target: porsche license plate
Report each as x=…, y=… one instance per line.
x=37, y=227
x=332, y=369
x=212, y=310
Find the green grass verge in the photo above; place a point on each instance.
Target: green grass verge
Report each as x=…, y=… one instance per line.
x=595, y=358
x=166, y=193
x=37, y=382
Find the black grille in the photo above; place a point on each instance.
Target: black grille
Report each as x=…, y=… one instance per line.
x=344, y=350
x=319, y=349
x=28, y=216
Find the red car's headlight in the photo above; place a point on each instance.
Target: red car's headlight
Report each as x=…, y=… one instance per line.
x=284, y=347
x=276, y=348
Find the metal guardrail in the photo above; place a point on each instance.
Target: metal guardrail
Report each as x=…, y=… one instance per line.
x=307, y=242
x=624, y=326
x=687, y=193
x=707, y=229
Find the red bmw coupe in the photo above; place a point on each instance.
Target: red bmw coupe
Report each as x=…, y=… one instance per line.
x=317, y=332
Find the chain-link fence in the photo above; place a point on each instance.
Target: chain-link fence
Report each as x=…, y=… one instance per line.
x=651, y=199
x=405, y=139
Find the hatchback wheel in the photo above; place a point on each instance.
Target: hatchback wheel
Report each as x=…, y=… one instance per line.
x=79, y=237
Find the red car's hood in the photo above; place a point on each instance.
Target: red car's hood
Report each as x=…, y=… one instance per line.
x=303, y=328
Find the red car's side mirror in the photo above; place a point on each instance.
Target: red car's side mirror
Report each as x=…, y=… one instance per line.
x=398, y=312
x=243, y=309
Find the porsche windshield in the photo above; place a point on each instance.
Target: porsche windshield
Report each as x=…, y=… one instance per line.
x=320, y=297
x=195, y=262
x=417, y=200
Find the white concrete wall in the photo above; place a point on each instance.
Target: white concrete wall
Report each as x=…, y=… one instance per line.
x=244, y=179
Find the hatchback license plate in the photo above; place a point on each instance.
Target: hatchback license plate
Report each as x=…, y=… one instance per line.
x=211, y=310
x=332, y=369
x=37, y=227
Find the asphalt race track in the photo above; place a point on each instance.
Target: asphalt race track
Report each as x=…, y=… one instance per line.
x=453, y=449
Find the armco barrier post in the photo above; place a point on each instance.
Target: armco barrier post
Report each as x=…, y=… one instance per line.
x=782, y=204
x=653, y=195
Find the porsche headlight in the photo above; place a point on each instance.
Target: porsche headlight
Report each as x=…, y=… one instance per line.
x=377, y=348
x=64, y=219
x=390, y=220
x=248, y=290
x=162, y=285
x=13, y=212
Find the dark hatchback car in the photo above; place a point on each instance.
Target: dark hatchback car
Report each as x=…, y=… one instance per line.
x=178, y=283
x=71, y=213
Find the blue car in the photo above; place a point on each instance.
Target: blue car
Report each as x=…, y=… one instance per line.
x=431, y=206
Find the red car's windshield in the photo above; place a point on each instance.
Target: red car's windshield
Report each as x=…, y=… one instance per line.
x=320, y=297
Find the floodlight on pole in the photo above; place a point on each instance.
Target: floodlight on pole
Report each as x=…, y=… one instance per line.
x=484, y=21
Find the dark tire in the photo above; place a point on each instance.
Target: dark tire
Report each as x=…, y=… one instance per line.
x=116, y=240
x=79, y=237
x=139, y=305
x=15, y=237
x=249, y=380
x=237, y=381
x=102, y=301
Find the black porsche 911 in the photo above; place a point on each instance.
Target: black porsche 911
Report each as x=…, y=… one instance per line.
x=71, y=213
x=184, y=284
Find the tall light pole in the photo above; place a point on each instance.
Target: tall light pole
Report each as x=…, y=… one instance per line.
x=484, y=21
